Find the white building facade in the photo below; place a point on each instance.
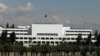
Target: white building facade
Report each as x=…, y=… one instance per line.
x=52, y=34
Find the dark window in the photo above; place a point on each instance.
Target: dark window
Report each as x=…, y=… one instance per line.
x=39, y=42
x=85, y=38
x=30, y=38
x=72, y=38
x=47, y=38
x=17, y=38
x=21, y=37
x=59, y=38
x=93, y=38
x=61, y=42
x=68, y=38
x=48, y=42
x=52, y=42
x=47, y=34
x=51, y=38
x=21, y=41
x=43, y=42
x=56, y=42
x=34, y=42
x=25, y=42
x=42, y=38
x=25, y=38
x=34, y=38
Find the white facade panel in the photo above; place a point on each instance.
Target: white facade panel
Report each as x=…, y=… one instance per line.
x=46, y=28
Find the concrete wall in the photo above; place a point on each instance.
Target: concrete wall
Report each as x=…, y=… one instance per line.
x=47, y=28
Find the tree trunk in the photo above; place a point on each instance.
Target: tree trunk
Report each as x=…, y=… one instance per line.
x=36, y=53
x=61, y=53
x=5, y=53
x=8, y=53
x=49, y=53
x=14, y=53
x=1, y=53
x=31, y=53
x=26, y=53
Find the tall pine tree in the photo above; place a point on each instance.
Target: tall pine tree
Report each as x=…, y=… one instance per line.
x=88, y=41
x=12, y=37
x=98, y=40
x=3, y=37
x=7, y=25
x=79, y=39
x=13, y=26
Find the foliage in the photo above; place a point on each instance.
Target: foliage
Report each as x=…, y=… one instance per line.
x=79, y=38
x=12, y=37
x=98, y=40
x=88, y=41
x=98, y=51
x=3, y=37
x=7, y=25
x=13, y=26
x=84, y=50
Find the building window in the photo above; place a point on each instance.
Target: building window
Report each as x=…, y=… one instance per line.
x=39, y=42
x=47, y=34
x=59, y=38
x=21, y=42
x=21, y=37
x=47, y=42
x=34, y=41
x=85, y=38
x=56, y=42
x=93, y=38
x=25, y=42
x=42, y=38
x=43, y=42
x=34, y=38
x=52, y=42
x=72, y=39
x=17, y=38
x=25, y=38
x=51, y=38
x=61, y=42
x=68, y=38
x=30, y=38
x=47, y=38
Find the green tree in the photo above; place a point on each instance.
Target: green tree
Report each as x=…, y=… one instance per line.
x=96, y=33
x=98, y=51
x=1, y=50
x=7, y=25
x=98, y=40
x=3, y=37
x=7, y=48
x=13, y=26
x=35, y=49
x=15, y=48
x=83, y=51
x=48, y=48
x=12, y=37
x=88, y=41
x=79, y=39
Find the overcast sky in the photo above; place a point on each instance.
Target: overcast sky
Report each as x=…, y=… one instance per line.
x=67, y=12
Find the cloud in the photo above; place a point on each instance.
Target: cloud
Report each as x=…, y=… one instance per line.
x=28, y=7
x=3, y=7
x=68, y=21
x=17, y=15
x=57, y=18
x=61, y=19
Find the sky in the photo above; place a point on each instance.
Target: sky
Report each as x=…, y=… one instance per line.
x=67, y=12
